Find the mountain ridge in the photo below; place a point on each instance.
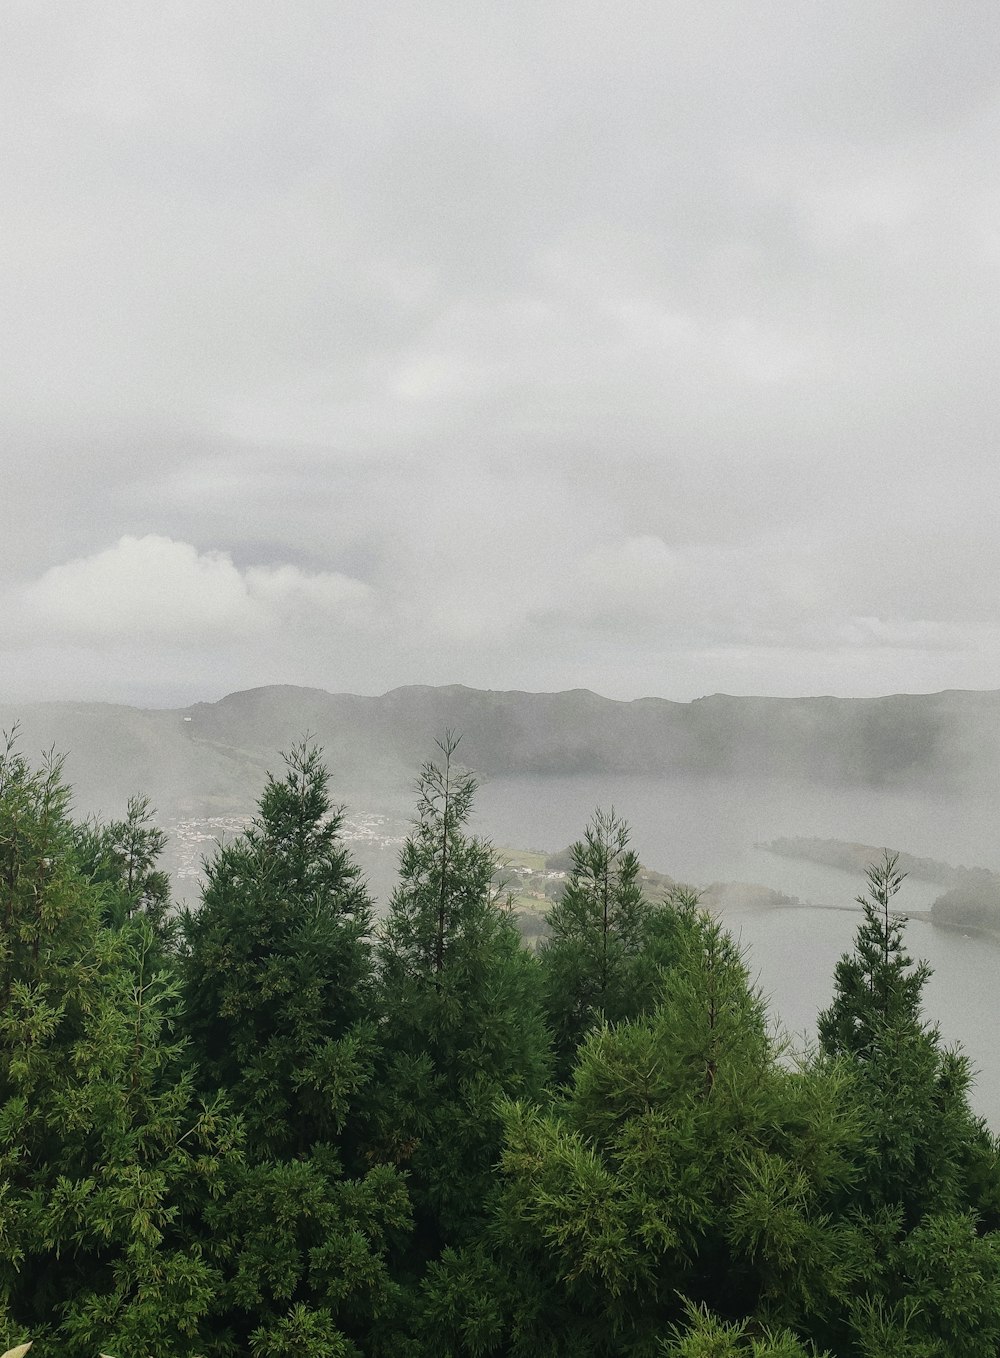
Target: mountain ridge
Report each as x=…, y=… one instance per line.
x=212, y=756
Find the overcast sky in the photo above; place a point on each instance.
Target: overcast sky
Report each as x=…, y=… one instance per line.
x=644, y=347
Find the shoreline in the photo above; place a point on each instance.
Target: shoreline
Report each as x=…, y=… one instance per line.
x=924, y=916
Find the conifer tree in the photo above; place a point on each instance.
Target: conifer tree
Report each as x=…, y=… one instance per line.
x=123, y=858
x=278, y=971
x=278, y=980
x=704, y=1335
x=595, y=931
x=685, y=1161
x=927, y=1150
x=605, y=944
x=877, y=987
x=461, y=1011
x=928, y=1178
x=107, y=1157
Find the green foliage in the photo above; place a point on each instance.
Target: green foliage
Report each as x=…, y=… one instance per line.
x=47, y=913
x=595, y=933
x=684, y=1160
x=940, y=1294
x=927, y=1182
x=299, y=1234
x=952, y=1276
x=446, y=886
x=461, y=1305
x=106, y=1154
x=278, y=971
x=606, y=945
x=302, y=1332
x=877, y=986
x=706, y=1336
x=402, y=1178
x=461, y=1017
x=926, y=1152
x=121, y=858
x=279, y=984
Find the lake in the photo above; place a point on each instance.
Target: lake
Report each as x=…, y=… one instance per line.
x=706, y=830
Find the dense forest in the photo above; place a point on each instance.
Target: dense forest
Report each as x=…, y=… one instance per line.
x=272, y=1125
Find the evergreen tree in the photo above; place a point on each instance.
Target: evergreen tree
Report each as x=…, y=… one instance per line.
x=691, y=1192
x=686, y=1161
x=461, y=1015
x=278, y=981
x=877, y=987
x=107, y=1157
x=706, y=1336
x=303, y=1249
x=927, y=1180
x=927, y=1151
x=278, y=971
x=605, y=944
x=122, y=857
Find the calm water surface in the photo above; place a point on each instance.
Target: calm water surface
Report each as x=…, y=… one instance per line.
x=706, y=830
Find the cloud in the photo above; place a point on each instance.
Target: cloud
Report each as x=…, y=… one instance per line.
x=647, y=348
x=157, y=589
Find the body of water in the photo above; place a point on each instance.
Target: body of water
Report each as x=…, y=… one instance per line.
x=706, y=830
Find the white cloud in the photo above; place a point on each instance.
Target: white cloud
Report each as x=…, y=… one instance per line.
x=157, y=588
x=637, y=575
x=652, y=355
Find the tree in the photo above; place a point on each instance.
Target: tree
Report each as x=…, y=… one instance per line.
x=927, y=1151
x=279, y=988
x=278, y=971
x=461, y=1017
x=706, y=1336
x=122, y=858
x=876, y=987
x=107, y=1156
x=606, y=943
x=687, y=1170
x=927, y=1179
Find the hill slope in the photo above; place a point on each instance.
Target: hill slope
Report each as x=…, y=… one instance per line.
x=210, y=758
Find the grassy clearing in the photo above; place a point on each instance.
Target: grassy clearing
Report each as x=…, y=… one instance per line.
x=523, y=858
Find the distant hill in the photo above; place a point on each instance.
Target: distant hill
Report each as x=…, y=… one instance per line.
x=210, y=759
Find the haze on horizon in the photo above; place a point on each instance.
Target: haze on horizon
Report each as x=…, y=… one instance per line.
x=643, y=348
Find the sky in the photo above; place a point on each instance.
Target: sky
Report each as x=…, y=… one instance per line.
x=649, y=348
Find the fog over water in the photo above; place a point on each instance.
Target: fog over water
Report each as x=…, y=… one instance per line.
x=705, y=830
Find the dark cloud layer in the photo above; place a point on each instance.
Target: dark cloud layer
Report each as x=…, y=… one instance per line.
x=645, y=347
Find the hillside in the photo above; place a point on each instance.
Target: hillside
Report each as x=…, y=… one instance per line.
x=210, y=758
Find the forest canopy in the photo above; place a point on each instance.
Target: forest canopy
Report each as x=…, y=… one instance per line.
x=270, y=1124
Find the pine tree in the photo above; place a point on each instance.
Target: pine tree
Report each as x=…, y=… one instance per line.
x=685, y=1161
x=278, y=971
x=606, y=945
x=107, y=1157
x=704, y=1335
x=927, y=1178
x=927, y=1150
x=122, y=857
x=279, y=987
x=877, y=987
x=461, y=1014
